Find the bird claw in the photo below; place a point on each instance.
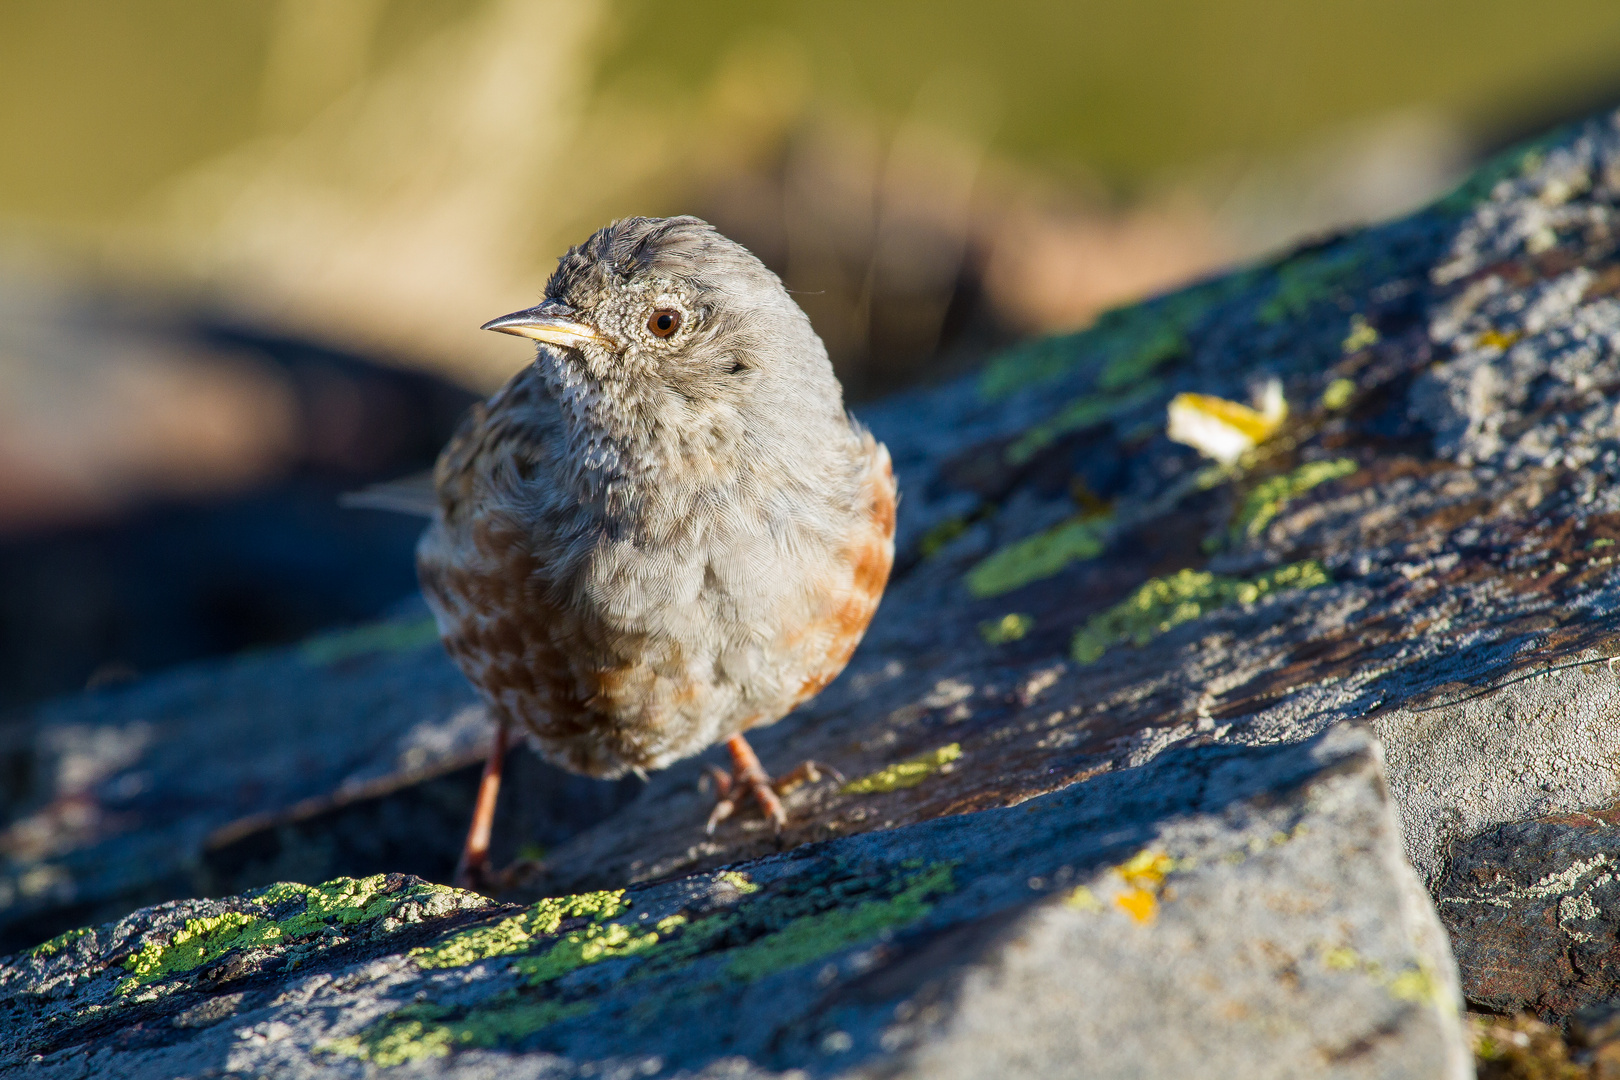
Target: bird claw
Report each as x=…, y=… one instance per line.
x=721, y=781
x=751, y=781
x=747, y=787
x=807, y=772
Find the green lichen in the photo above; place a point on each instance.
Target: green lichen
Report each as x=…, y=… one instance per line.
x=1162, y=603
x=939, y=537
x=766, y=934
x=1512, y=163
x=807, y=920
x=1124, y=345
x=428, y=1031
x=1267, y=499
x=905, y=774
x=341, y=902
x=580, y=948
x=395, y=636
x=814, y=936
x=1039, y=556
x=518, y=934
x=59, y=943
x=1010, y=627
x=197, y=943
x=1416, y=983
x=1305, y=279
x=1092, y=410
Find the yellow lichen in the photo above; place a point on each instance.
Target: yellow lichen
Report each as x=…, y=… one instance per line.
x=1080, y=898
x=1497, y=339
x=1010, y=627
x=1139, y=904
x=1146, y=869
x=738, y=881
x=1362, y=335
x=1338, y=394
x=1143, y=875
x=905, y=774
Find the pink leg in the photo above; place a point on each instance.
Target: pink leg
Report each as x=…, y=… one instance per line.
x=749, y=778
x=472, y=872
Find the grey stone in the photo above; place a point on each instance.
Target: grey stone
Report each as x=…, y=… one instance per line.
x=1533, y=908
x=1225, y=912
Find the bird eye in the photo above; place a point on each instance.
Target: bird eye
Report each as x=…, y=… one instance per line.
x=664, y=322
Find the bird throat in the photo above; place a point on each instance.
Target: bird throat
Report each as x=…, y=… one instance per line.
x=625, y=431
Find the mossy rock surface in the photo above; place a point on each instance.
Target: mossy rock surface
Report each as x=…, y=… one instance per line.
x=1425, y=549
x=890, y=951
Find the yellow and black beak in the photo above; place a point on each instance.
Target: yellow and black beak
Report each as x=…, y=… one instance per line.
x=552, y=322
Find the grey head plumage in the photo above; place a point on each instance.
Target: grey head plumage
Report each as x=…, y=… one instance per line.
x=660, y=339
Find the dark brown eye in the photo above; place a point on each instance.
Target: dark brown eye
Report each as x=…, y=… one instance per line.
x=664, y=322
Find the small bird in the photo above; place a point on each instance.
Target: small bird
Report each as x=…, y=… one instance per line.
x=664, y=532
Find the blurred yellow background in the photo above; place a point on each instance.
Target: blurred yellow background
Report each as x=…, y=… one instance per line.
x=197, y=198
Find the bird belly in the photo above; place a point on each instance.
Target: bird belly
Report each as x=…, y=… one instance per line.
x=626, y=659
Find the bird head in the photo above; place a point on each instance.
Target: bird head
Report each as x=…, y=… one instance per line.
x=668, y=306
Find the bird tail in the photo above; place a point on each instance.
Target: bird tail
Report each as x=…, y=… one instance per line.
x=412, y=494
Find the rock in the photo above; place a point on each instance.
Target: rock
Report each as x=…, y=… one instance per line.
x=1426, y=549
x=1228, y=912
x=358, y=752
x=1533, y=907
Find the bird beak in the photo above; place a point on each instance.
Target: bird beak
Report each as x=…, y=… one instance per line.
x=550, y=323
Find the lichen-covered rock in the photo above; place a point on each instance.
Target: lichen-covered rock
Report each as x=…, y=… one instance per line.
x=1230, y=912
x=1372, y=563
x=1426, y=546
x=356, y=752
x=1533, y=907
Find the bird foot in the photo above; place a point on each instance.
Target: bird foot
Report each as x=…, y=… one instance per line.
x=748, y=779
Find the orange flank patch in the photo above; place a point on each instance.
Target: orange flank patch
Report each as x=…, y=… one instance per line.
x=871, y=559
x=815, y=684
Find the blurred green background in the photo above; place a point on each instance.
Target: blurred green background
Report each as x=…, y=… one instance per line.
x=245, y=246
x=102, y=101
x=387, y=173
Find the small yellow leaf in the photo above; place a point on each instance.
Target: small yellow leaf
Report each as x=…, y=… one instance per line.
x=1225, y=430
